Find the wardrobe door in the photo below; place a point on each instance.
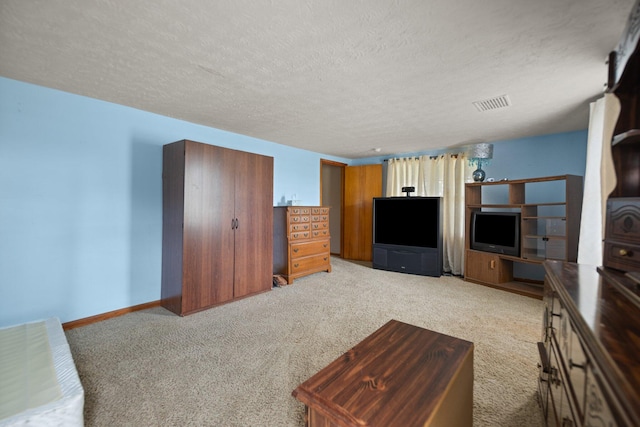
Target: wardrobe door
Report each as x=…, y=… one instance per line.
x=254, y=232
x=361, y=185
x=208, y=226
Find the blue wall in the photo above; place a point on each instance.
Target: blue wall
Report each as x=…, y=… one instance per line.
x=81, y=196
x=81, y=199
x=546, y=155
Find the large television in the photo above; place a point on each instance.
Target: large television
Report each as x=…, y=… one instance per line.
x=497, y=232
x=407, y=235
x=407, y=221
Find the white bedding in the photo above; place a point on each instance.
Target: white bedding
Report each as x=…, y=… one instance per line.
x=59, y=400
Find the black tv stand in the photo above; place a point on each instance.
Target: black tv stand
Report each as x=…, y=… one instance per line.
x=408, y=259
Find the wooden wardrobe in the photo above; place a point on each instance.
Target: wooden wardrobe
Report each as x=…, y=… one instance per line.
x=217, y=225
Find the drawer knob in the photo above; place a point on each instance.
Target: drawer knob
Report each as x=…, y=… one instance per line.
x=624, y=252
x=296, y=250
x=296, y=265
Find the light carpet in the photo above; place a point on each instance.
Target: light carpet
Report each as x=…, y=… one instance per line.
x=237, y=364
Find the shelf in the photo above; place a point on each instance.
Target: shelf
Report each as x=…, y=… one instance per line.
x=544, y=204
x=514, y=205
x=520, y=181
x=544, y=236
x=528, y=289
x=544, y=217
x=494, y=206
x=629, y=136
x=549, y=229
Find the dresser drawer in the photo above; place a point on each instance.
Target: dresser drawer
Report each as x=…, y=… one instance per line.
x=621, y=255
x=623, y=222
x=300, y=235
x=320, y=210
x=295, y=219
x=319, y=225
x=318, y=247
x=305, y=226
x=309, y=263
x=316, y=234
x=319, y=218
x=598, y=412
x=300, y=211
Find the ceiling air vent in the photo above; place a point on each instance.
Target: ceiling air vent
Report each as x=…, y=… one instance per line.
x=495, y=103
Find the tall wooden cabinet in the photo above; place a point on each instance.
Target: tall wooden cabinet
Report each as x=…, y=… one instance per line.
x=622, y=231
x=217, y=232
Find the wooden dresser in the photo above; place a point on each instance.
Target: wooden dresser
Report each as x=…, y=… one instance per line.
x=300, y=241
x=590, y=349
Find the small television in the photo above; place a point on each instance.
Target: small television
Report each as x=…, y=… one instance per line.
x=407, y=221
x=497, y=232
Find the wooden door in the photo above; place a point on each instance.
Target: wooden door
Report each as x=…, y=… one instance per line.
x=254, y=232
x=208, y=231
x=361, y=185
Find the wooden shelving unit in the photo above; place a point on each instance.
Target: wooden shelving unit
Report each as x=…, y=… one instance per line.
x=550, y=210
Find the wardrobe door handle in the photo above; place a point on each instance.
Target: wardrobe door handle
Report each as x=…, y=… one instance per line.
x=236, y=223
x=233, y=223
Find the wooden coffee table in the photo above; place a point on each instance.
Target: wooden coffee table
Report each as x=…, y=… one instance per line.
x=401, y=375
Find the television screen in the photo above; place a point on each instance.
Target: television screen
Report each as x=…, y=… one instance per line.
x=496, y=232
x=406, y=221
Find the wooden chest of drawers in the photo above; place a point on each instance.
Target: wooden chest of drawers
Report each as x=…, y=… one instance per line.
x=589, y=366
x=300, y=241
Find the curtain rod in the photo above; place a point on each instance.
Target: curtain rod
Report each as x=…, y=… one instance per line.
x=431, y=157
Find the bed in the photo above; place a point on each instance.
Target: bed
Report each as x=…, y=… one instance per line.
x=39, y=384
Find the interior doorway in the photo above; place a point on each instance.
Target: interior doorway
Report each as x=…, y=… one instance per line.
x=332, y=194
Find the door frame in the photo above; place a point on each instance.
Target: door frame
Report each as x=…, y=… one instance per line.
x=342, y=167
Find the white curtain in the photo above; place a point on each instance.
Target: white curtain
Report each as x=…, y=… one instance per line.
x=437, y=176
x=401, y=173
x=600, y=178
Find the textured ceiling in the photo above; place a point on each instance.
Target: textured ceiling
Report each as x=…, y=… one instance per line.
x=339, y=77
